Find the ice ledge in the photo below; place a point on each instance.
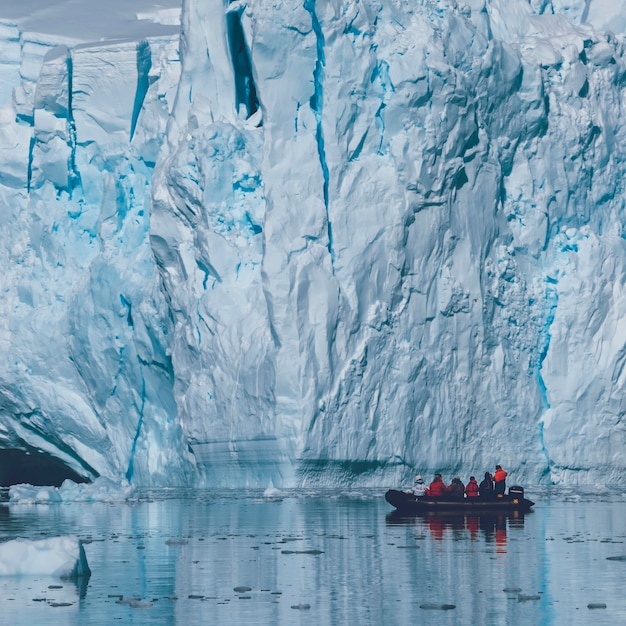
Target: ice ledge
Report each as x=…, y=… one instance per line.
x=93, y=20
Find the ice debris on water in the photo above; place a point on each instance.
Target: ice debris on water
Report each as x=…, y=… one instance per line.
x=176, y=542
x=433, y=606
x=135, y=602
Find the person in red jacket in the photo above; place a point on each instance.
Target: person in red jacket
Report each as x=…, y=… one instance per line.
x=471, y=489
x=499, y=479
x=437, y=488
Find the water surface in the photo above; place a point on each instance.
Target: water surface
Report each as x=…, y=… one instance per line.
x=315, y=557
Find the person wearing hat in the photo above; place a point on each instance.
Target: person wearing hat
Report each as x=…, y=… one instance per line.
x=457, y=488
x=471, y=489
x=485, y=489
x=419, y=487
x=499, y=480
x=437, y=488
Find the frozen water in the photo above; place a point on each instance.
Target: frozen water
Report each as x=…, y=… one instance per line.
x=272, y=492
x=340, y=557
x=313, y=243
x=62, y=557
x=101, y=490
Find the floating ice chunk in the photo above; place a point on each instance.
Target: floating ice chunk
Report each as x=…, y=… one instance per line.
x=101, y=490
x=29, y=494
x=272, y=492
x=62, y=557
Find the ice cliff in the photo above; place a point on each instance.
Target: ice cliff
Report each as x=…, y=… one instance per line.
x=314, y=242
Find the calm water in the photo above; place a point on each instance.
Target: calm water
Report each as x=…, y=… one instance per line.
x=312, y=559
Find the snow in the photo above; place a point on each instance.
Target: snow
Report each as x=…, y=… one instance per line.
x=272, y=493
x=61, y=557
x=92, y=20
x=316, y=243
x=100, y=490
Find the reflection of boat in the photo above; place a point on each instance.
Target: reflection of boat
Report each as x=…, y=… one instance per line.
x=409, y=503
x=458, y=519
x=492, y=527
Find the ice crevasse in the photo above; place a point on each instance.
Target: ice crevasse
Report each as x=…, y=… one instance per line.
x=322, y=242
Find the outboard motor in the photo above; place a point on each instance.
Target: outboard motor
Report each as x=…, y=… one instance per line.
x=516, y=492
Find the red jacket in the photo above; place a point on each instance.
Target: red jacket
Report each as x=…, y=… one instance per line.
x=472, y=489
x=437, y=488
x=499, y=476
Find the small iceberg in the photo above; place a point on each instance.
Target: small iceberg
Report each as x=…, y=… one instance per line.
x=272, y=493
x=100, y=490
x=62, y=557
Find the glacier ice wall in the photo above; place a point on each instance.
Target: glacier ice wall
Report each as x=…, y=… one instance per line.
x=329, y=241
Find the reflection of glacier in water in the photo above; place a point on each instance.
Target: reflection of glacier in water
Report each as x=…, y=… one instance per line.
x=183, y=557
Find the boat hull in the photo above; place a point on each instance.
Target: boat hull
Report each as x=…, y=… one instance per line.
x=408, y=503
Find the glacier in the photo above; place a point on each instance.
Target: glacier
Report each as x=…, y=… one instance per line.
x=324, y=242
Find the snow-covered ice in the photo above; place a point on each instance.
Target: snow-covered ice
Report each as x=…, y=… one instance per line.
x=325, y=242
x=61, y=557
x=100, y=490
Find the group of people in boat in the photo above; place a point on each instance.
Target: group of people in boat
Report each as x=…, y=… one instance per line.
x=492, y=486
